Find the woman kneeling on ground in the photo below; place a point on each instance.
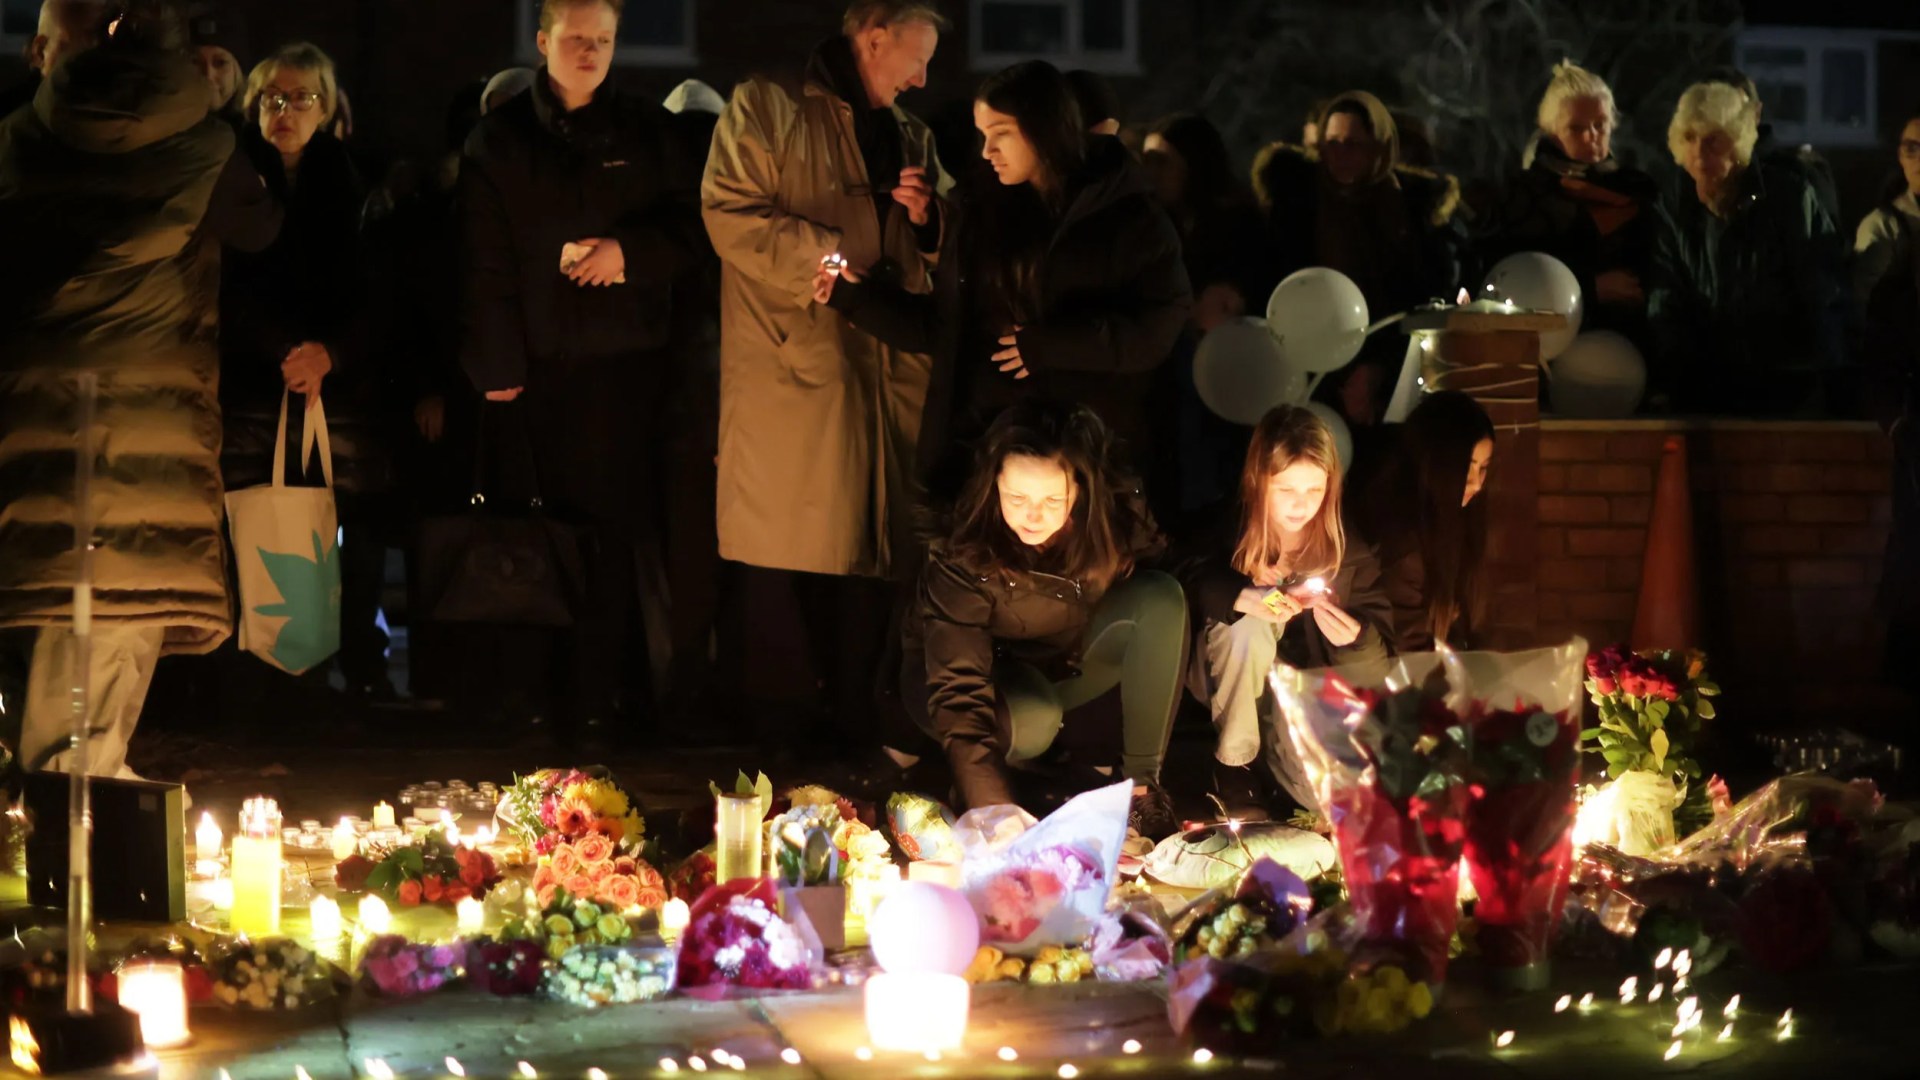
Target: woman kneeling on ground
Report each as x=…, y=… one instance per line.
x=1290, y=586
x=1033, y=605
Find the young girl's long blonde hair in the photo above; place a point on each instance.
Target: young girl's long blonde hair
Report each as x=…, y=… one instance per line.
x=1288, y=435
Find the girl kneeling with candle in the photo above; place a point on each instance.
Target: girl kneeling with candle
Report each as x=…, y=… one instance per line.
x=1288, y=586
x=1033, y=605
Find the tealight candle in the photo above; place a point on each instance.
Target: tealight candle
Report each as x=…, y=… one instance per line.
x=917, y=1011
x=345, y=840
x=323, y=915
x=207, y=841
x=156, y=990
x=374, y=914
x=473, y=915
x=256, y=869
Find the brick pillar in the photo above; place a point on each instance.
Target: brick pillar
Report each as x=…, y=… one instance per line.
x=1496, y=358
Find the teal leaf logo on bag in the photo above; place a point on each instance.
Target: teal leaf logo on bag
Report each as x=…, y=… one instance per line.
x=310, y=599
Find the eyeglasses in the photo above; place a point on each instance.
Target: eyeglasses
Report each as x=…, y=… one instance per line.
x=300, y=101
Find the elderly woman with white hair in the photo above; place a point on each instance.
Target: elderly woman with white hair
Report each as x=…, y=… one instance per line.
x=1746, y=304
x=1575, y=200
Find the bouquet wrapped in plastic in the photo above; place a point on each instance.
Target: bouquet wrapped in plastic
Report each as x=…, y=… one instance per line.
x=1436, y=756
x=1036, y=885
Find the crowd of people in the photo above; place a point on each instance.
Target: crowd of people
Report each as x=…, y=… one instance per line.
x=885, y=436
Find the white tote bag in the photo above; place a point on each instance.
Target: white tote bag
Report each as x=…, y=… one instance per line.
x=285, y=544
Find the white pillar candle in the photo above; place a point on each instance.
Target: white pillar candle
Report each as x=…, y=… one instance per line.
x=383, y=816
x=917, y=1012
x=256, y=870
x=324, y=917
x=473, y=915
x=374, y=915
x=156, y=990
x=345, y=841
x=674, y=916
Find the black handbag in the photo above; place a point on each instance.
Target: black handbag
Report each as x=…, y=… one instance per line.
x=499, y=563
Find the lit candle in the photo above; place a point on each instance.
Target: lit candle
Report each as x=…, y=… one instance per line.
x=674, y=915
x=345, y=842
x=940, y=873
x=383, y=816
x=207, y=841
x=473, y=915
x=156, y=990
x=256, y=869
x=374, y=915
x=323, y=915
x=917, y=1011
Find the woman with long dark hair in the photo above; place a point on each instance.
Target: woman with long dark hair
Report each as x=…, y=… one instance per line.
x=1287, y=584
x=1059, y=275
x=1033, y=604
x=1423, y=513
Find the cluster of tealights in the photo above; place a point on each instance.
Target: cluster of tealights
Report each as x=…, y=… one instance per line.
x=1689, y=1015
x=456, y=795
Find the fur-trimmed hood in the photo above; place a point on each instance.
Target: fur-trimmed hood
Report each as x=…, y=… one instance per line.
x=1283, y=171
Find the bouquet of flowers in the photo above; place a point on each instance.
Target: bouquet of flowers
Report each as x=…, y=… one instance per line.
x=857, y=847
x=431, y=871
x=506, y=968
x=734, y=938
x=1052, y=964
x=590, y=869
x=553, y=805
x=922, y=827
x=1652, y=707
x=691, y=879
x=1036, y=884
x=270, y=974
x=610, y=976
x=1270, y=901
x=565, y=922
x=1389, y=766
x=395, y=967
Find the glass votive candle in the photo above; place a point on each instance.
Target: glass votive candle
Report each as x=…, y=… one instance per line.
x=311, y=825
x=292, y=837
x=410, y=823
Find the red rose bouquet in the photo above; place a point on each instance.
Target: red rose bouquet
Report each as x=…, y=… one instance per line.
x=431, y=871
x=1388, y=766
x=690, y=880
x=735, y=938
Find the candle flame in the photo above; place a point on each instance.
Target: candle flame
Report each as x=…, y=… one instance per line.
x=596, y=1074
x=1131, y=1046
x=863, y=1053
x=1726, y=1032
x=790, y=1056
x=1665, y=958
x=25, y=1048
x=1674, y=1050
x=377, y=1069
x=1503, y=1040
x=455, y=1067
x=1733, y=1007
x=1683, y=963
x=526, y=1070
x=1565, y=1002
x=1586, y=1001
x=668, y=1065
x=1654, y=994
x=1202, y=1056
x=1008, y=1053
x=1068, y=1072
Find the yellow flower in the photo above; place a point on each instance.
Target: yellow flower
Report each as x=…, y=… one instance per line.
x=1049, y=954
x=605, y=799
x=1391, y=979
x=613, y=927
x=559, y=924
x=558, y=945
x=986, y=961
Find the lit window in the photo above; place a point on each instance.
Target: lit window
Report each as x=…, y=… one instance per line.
x=1098, y=35
x=1816, y=86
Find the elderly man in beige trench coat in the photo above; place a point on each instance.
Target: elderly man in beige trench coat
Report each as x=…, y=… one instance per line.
x=818, y=421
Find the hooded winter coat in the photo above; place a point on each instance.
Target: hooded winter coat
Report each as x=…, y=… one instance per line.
x=1594, y=218
x=818, y=420
x=1399, y=235
x=116, y=192
x=1748, y=310
x=1109, y=299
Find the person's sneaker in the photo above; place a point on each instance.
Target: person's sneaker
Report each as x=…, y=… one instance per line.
x=1238, y=790
x=1151, y=814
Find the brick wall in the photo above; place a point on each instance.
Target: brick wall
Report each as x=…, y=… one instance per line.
x=1790, y=526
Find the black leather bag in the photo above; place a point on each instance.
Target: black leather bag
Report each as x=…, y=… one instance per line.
x=509, y=565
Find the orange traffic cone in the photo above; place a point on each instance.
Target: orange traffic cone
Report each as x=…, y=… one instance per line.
x=1667, y=615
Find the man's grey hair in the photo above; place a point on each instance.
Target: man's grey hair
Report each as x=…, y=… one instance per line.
x=866, y=14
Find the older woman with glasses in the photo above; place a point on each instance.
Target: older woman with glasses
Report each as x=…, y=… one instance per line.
x=292, y=323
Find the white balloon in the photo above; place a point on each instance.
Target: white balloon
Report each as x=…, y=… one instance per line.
x=1342, y=437
x=924, y=927
x=1320, y=317
x=1601, y=376
x=1241, y=373
x=1536, y=281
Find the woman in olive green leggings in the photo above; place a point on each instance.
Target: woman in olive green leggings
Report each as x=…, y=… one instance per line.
x=1033, y=606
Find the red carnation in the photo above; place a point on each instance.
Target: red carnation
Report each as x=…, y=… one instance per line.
x=410, y=893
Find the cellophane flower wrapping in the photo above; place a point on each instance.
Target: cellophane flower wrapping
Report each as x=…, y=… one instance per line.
x=1523, y=713
x=1036, y=885
x=1430, y=757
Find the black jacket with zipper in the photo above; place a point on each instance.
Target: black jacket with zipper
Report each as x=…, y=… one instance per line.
x=536, y=178
x=1112, y=297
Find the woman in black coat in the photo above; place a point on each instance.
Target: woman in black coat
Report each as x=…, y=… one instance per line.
x=1576, y=201
x=1064, y=278
x=292, y=320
